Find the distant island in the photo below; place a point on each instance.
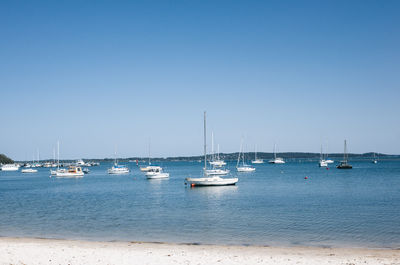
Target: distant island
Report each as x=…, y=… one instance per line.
x=230, y=157
x=251, y=155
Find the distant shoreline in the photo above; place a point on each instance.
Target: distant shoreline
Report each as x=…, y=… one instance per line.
x=59, y=251
x=233, y=157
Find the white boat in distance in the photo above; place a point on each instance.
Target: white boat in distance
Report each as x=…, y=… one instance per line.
x=276, y=160
x=117, y=169
x=10, y=167
x=29, y=170
x=216, y=172
x=215, y=160
x=257, y=160
x=156, y=173
x=71, y=172
x=209, y=181
x=322, y=162
x=244, y=167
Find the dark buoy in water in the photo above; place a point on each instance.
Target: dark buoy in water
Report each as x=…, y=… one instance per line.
x=327, y=168
x=305, y=177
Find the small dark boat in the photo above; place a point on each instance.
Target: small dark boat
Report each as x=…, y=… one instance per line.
x=86, y=170
x=344, y=164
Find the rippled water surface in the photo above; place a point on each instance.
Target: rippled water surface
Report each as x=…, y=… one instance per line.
x=276, y=205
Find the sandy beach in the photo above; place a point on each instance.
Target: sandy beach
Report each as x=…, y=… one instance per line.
x=51, y=251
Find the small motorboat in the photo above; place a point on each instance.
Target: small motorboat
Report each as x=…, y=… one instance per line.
x=28, y=170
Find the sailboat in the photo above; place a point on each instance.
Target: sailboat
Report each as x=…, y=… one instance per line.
x=322, y=161
x=244, y=167
x=118, y=169
x=54, y=172
x=344, y=163
x=206, y=180
x=215, y=160
x=276, y=160
x=257, y=160
x=375, y=161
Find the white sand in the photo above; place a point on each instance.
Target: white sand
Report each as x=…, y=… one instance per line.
x=49, y=251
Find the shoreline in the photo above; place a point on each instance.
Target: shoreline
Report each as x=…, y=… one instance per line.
x=14, y=250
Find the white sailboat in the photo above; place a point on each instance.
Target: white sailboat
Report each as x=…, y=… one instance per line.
x=257, y=160
x=117, y=169
x=215, y=160
x=374, y=161
x=276, y=160
x=209, y=181
x=244, y=167
x=322, y=161
x=61, y=170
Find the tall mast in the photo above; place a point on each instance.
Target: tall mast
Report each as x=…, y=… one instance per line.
x=218, y=152
x=345, y=151
x=255, y=153
x=212, y=146
x=58, y=154
x=115, y=155
x=149, y=153
x=275, y=150
x=240, y=151
x=205, y=142
x=54, y=155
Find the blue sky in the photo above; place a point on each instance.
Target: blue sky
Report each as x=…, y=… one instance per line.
x=100, y=74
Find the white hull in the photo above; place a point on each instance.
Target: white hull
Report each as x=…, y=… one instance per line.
x=329, y=161
x=10, y=167
x=216, y=172
x=69, y=175
x=218, y=163
x=118, y=171
x=323, y=163
x=29, y=170
x=211, y=181
x=245, y=169
x=157, y=176
x=276, y=161
x=257, y=161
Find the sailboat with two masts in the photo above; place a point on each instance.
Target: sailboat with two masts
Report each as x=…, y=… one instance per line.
x=209, y=180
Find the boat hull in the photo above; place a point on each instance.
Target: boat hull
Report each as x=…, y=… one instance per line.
x=215, y=181
x=69, y=175
x=158, y=176
x=246, y=169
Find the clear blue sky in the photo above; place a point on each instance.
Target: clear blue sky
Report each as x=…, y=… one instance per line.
x=96, y=74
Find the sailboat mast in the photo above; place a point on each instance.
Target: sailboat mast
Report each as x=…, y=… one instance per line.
x=149, y=153
x=345, y=151
x=58, y=154
x=240, y=150
x=205, y=142
x=274, y=151
x=212, y=147
x=218, y=152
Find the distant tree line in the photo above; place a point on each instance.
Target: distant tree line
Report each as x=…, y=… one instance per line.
x=5, y=160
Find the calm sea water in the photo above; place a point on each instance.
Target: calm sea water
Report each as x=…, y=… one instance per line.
x=273, y=206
